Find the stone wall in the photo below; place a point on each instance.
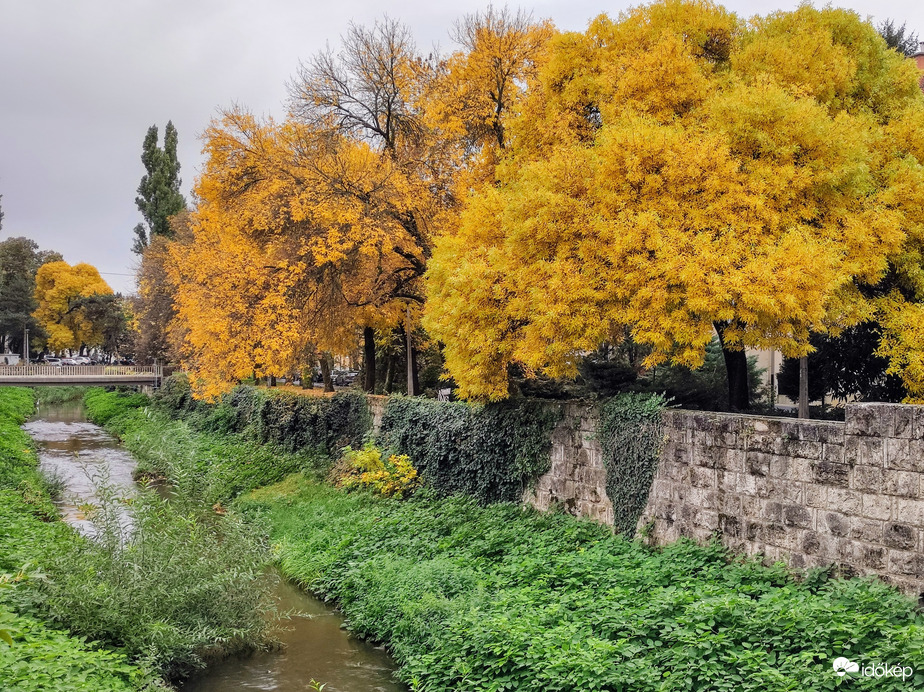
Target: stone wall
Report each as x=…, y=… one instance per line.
x=577, y=478
x=807, y=492
x=811, y=493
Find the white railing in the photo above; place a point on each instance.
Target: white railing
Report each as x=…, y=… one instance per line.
x=79, y=370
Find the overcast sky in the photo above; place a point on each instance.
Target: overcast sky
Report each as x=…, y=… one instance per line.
x=80, y=83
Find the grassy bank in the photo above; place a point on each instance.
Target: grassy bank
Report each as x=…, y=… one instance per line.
x=501, y=598
x=211, y=466
x=39, y=656
x=473, y=598
x=184, y=585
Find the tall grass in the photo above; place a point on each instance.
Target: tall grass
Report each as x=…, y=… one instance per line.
x=59, y=395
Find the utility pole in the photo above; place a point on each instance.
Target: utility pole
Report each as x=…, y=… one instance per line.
x=25, y=346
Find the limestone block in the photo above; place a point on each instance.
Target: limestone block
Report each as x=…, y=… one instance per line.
x=831, y=473
x=868, y=451
x=869, y=530
x=757, y=463
x=872, y=557
x=902, y=421
x=815, y=495
x=846, y=501
x=834, y=452
x=866, y=478
x=877, y=506
x=906, y=455
x=906, y=563
x=868, y=419
x=836, y=523
x=901, y=483
x=900, y=536
x=910, y=512
x=797, y=515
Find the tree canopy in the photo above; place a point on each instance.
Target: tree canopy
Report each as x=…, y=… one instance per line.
x=159, y=195
x=681, y=172
x=69, y=305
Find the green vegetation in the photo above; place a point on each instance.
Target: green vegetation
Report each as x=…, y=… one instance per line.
x=176, y=589
x=491, y=452
x=161, y=589
x=40, y=657
x=502, y=598
x=58, y=395
x=292, y=422
x=208, y=467
x=630, y=433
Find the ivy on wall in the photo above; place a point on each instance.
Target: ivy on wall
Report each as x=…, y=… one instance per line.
x=294, y=422
x=630, y=431
x=491, y=452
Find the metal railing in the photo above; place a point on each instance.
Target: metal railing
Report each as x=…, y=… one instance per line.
x=155, y=371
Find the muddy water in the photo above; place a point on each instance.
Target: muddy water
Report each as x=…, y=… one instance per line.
x=314, y=645
x=316, y=649
x=82, y=456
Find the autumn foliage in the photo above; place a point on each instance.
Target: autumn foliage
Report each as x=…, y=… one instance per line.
x=670, y=173
x=680, y=172
x=61, y=290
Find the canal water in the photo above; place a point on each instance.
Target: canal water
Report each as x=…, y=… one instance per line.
x=314, y=645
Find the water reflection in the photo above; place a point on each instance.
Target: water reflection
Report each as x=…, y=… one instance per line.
x=315, y=648
x=82, y=457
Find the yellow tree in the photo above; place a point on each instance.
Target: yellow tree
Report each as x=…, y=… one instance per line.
x=680, y=172
x=63, y=311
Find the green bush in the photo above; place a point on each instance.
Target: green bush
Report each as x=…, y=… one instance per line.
x=491, y=452
x=40, y=657
x=59, y=395
x=500, y=598
x=102, y=406
x=210, y=467
x=292, y=422
x=166, y=583
x=630, y=432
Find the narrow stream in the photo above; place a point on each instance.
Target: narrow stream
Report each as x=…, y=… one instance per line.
x=315, y=647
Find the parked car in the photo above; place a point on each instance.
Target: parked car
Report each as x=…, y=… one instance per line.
x=52, y=361
x=344, y=378
x=69, y=361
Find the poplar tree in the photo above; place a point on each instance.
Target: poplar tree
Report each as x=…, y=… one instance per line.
x=159, y=195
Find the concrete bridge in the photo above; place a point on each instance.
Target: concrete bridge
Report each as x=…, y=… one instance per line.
x=79, y=375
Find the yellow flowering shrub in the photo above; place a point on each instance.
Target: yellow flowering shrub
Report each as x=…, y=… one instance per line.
x=365, y=468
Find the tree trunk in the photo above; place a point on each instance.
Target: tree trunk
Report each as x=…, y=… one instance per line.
x=389, y=373
x=272, y=380
x=803, y=388
x=413, y=384
x=369, y=359
x=326, y=359
x=736, y=367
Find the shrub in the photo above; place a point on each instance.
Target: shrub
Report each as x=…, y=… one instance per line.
x=102, y=406
x=165, y=583
x=365, y=468
x=290, y=421
x=491, y=452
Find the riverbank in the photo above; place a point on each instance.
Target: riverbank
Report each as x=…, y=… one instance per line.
x=163, y=587
x=38, y=655
x=499, y=597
